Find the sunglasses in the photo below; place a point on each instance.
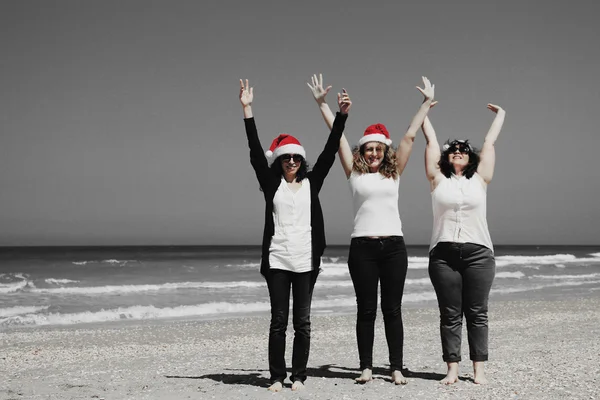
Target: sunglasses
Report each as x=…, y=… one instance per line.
x=295, y=157
x=462, y=148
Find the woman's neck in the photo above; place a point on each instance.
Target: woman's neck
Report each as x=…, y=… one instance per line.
x=289, y=178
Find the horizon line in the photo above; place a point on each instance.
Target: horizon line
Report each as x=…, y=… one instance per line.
x=253, y=245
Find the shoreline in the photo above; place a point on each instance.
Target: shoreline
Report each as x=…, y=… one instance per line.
x=538, y=350
x=542, y=295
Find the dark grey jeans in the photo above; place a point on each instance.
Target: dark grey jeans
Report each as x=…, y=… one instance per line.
x=462, y=275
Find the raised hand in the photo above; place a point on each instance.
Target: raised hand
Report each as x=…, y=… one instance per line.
x=495, y=108
x=487, y=156
x=246, y=93
x=344, y=101
x=317, y=89
x=428, y=90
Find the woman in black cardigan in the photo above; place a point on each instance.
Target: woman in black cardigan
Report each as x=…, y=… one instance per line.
x=294, y=234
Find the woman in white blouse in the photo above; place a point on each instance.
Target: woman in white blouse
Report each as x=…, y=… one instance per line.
x=461, y=254
x=377, y=248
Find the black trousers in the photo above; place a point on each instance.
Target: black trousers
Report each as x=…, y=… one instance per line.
x=301, y=284
x=371, y=261
x=462, y=275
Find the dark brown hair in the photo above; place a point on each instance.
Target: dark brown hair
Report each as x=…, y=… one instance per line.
x=300, y=175
x=446, y=166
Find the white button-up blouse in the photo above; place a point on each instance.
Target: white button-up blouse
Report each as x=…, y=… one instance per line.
x=459, y=211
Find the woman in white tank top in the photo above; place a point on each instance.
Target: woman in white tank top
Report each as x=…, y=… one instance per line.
x=377, y=249
x=461, y=254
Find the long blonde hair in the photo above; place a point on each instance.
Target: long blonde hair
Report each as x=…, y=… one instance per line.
x=388, y=167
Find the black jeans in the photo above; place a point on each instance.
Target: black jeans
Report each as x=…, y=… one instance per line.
x=462, y=275
x=302, y=284
x=369, y=261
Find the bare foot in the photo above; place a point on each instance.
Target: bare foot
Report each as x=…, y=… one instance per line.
x=479, y=373
x=297, y=385
x=276, y=387
x=398, y=378
x=365, y=377
x=452, y=375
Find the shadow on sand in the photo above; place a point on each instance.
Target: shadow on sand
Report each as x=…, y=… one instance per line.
x=252, y=379
x=257, y=377
x=385, y=373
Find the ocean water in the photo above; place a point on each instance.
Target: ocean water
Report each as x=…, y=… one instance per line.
x=68, y=286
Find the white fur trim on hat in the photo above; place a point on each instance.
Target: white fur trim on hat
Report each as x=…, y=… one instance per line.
x=286, y=149
x=375, y=137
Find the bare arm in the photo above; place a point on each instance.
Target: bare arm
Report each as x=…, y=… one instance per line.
x=406, y=144
x=319, y=93
x=432, y=153
x=487, y=157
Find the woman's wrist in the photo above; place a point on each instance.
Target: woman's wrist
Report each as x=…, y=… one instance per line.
x=247, y=111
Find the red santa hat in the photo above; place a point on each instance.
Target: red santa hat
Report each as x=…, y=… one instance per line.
x=284, y=144
x=376, y=133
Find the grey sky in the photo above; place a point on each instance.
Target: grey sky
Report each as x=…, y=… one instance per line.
x=120, y=122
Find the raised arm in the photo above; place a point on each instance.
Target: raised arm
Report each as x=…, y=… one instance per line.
x=406, y=144
x=487, y=157
x=432, y=153
x=257, y=156
x=327, y=156
x=319, y=94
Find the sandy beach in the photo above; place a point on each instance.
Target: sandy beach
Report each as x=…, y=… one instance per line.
x=538, y=350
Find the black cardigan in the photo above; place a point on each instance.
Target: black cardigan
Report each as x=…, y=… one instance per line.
x=269, y=184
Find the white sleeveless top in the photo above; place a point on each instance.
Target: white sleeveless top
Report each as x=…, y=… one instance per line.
x=290, y=247
x=459, y=211
x=375, y=200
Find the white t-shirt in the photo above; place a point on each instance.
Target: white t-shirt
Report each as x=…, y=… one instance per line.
x=290, y=247
x=459, y=211
x=375, y=200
